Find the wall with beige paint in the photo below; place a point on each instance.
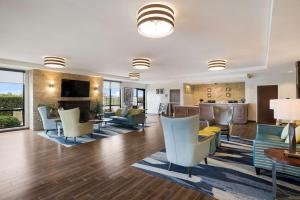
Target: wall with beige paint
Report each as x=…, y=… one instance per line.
x=41, y=93
x=218, y=91
x=188, y=94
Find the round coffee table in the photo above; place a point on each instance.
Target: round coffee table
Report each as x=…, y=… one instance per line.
x=100, y=122
x=277, y=156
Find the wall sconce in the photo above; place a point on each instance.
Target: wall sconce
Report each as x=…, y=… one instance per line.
x=51, y=84
x=96, y=88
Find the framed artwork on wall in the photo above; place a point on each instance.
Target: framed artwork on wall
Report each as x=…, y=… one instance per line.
x=128, y=96
x=228, y=89
x=228, y=94
x=208, y=95
x=208, y=89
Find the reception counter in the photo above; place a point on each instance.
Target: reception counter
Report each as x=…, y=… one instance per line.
x=221, y=112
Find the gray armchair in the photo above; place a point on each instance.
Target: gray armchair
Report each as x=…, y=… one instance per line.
x=48, y=123
x=181, y=141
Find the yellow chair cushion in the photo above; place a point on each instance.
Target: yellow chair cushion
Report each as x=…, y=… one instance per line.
x=297, y=122
x=206, y=133
x=212, y=129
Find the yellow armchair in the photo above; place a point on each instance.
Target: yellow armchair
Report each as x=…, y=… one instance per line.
x=71, y=125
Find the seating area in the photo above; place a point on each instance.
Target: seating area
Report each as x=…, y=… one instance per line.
x=127, y=117
x=142, y=100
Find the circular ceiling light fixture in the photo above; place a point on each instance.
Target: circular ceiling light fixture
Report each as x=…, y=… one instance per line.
x=134, y=75
x=155, y=20
x=54, y=62
x=141, y=63
x=216, y=65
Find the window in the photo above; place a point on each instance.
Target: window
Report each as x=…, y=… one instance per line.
x=111, y=95
x=11, y=98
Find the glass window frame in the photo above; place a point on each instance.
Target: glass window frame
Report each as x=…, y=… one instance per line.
x=19, y=109
x=110, y=105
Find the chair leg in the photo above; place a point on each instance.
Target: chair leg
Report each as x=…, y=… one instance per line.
x=228, y=136
x=170, y=166
x=190, y=171
x=257, y=171
x=205, y=160
x=47, y=132
x=74, y=139
x=66, y=138
x=143, y=126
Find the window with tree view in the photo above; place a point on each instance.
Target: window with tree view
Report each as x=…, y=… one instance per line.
x=11, y=98
x=111, y=95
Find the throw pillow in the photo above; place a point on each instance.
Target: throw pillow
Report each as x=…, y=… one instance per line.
x=132, y=112
x=119, y=112
x=297, y=132
x=285, y=132
x=124, y=112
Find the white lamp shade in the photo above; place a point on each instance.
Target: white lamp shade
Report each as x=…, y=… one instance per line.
x=286, y=109
x=272, y=103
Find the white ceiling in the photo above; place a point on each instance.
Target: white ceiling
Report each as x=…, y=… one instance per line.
x=100, y=36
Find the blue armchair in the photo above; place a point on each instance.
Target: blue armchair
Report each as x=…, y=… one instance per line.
x=268, y=136
x=48, y=123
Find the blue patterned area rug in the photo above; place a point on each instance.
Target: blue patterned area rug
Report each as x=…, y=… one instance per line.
x=104, y=132
x=229, y=174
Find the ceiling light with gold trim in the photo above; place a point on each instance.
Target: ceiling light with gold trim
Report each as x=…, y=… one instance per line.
x=216, y=65
x=134, y=75
x=155, y=20
x=141, y=63
x=54, y=62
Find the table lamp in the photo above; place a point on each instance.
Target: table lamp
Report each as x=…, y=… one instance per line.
x=287, y=109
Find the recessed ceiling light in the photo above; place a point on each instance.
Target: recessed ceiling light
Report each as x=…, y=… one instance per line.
x=155, y=20
x=54, y=62
x=216, y=65
x=141, y=63
x=134, y=75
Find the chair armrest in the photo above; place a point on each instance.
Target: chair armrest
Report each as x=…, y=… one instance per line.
x=267, y=129
x=109, y=114
x=137, y=119
x=85, y=128
x=203, y=147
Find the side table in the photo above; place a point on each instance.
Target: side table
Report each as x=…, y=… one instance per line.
x=277, y=156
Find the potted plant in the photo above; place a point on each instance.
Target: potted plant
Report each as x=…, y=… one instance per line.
x=97, y=110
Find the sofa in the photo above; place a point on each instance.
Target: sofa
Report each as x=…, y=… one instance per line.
x=268, y=136
x=127, y=117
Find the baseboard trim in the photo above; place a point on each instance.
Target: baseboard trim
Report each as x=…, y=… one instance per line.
x=13, y=129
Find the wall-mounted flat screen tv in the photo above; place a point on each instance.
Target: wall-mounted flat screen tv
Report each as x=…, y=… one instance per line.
x=74, y=88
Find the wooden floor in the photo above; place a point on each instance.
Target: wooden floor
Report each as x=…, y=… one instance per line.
x=32, y=167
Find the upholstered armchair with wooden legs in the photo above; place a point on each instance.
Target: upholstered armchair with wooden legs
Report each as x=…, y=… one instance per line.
x=181, y=141
x=71, y=125
x=48, y=123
